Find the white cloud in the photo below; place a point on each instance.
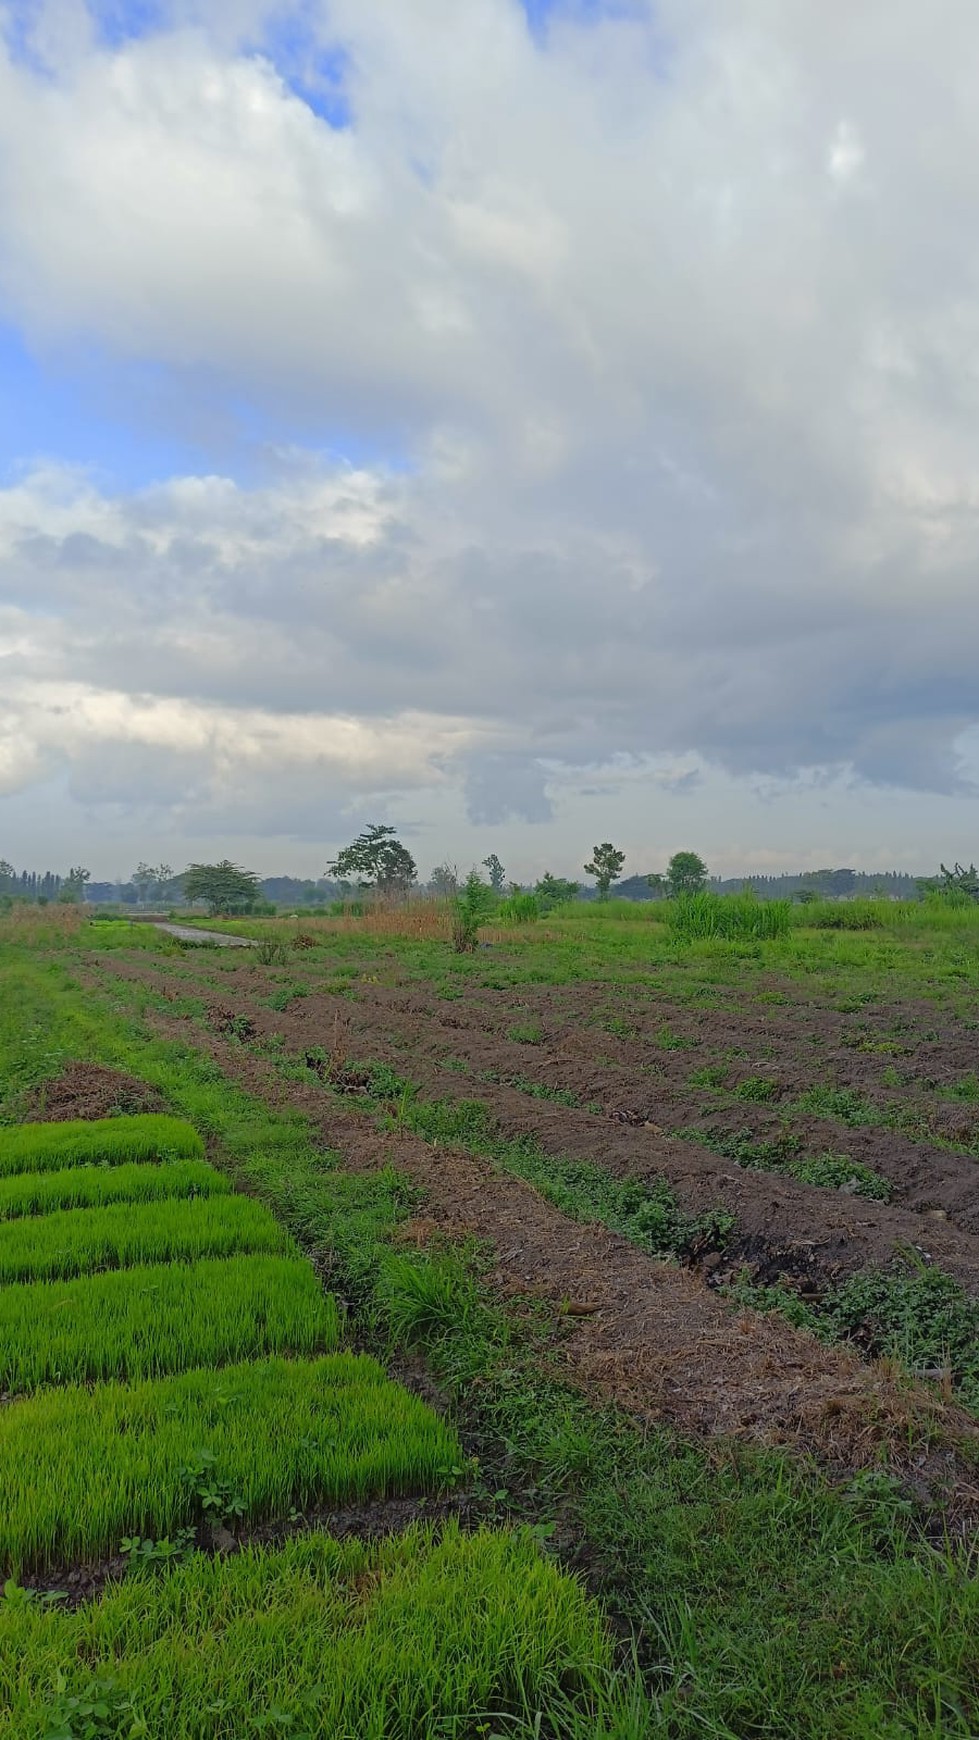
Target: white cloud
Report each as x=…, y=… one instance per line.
x=674, y=318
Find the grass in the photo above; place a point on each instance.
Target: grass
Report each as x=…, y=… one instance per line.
x=769, y=1600
x=161, y=1319
x=107, y=1141
x=77, y=1241
x=81, y=1468
x=415, y=1638
x=94, y=1186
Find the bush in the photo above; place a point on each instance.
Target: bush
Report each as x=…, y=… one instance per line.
x=842, y=915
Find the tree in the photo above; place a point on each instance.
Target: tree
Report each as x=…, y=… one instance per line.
x=606, y=867
x=377, y=859
x=225, y=888
x=555, y=890
x=72, y=890
x=473, y=905
x=960, y=881
x=8, y=877
x=686, y=873
x=659, y=885
x=497, y=874
x=444, y=880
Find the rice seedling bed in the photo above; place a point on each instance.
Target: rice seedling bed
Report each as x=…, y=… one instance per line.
x=48, y=1147
x=147, y=1322
x=79, y=1241
x=82, y=1468
x=413, y=1636
x=26, y=1193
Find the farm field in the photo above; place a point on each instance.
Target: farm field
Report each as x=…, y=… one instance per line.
x=675, y=1243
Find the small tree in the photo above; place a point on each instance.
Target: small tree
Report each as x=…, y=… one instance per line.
x=960, y=881
x=659, y=885
x=72, y=890
x=225, y=888
x=444, y=880
x=496, y=873
x=377, y=859
x=686, y=873
x=473, y=905
x=606, y=867
x=553, y=891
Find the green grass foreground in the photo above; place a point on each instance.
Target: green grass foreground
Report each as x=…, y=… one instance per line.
x=81, y=1468
x=46, y=1147
x=25, y=1193
x=77, y=1241
x=148, y=1322
x=411, y=1639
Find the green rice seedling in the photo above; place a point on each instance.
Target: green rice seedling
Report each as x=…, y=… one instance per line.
x=94, y=1186
x=79, y=1240
x=414, y=1636
x=82, y=1468
x=139, y=1323
x=47, y=1147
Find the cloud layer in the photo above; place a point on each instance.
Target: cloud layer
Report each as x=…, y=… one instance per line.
x=656, y=338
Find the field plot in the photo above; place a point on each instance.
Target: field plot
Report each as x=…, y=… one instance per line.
x=650, y=1210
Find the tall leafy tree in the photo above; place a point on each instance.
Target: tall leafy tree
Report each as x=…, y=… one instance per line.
x=606, y=867
x=686, y=873
x=376, y=859
x=496, y=873
x=225, y=888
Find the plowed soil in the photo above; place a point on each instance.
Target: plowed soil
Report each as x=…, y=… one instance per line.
x=650, y=1335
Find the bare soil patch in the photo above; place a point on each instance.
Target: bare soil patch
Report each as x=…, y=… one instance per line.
x=648, y=1335
x=784, y=1229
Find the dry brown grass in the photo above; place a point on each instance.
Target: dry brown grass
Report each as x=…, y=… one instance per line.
x=41, y=926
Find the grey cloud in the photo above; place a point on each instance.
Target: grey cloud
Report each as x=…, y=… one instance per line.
x=685, y=368
x=504, y=787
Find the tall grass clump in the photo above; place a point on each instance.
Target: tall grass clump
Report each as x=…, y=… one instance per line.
x=706, y=917
x=108, y=1141
x=167, y=1318
x=424, y=1634
x=78, y=1241
x=518, y=909
x=95, y=1186
x=81, y=1468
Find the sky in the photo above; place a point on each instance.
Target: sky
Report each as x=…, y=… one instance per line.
x=525, y=422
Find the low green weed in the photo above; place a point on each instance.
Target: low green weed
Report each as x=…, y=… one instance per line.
x=757, y=1089
x=844, y=1104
